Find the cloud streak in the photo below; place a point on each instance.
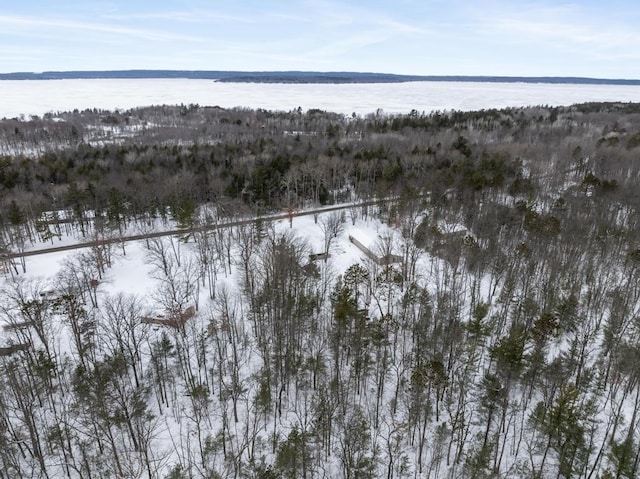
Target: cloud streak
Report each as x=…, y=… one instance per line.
x=27, y=24
x=182, y=16
x=561, y=25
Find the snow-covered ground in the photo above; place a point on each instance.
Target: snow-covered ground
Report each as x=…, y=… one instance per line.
x=137, y=273
x=130, y=272
x=36, y=97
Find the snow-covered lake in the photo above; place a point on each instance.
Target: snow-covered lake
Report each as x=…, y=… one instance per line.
x=36, y=97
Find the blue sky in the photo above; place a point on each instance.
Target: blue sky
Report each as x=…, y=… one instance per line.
x=429, y=37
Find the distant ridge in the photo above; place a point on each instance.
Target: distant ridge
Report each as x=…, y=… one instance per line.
x=301, y=77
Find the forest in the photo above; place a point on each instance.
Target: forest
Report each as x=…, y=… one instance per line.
x=488, y=327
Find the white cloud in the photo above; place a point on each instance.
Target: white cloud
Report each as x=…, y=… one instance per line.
x=188, y=16
x=570, y=23
x=36, y=23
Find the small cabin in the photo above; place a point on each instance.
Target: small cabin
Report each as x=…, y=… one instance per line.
x=175, y=321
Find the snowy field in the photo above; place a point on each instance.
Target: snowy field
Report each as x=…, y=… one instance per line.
x=41, y=96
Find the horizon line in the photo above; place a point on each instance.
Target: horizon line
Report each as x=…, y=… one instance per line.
x=300, y=76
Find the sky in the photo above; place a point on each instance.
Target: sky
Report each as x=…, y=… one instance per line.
x=588, y=38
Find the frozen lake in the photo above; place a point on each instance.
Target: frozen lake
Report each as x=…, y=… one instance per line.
x=36, y=97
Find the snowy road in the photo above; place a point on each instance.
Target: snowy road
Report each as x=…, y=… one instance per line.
x=183, y=231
